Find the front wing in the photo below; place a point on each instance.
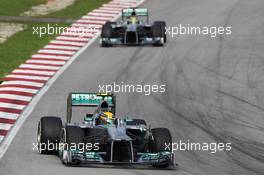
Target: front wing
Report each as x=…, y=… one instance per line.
x=78, y=157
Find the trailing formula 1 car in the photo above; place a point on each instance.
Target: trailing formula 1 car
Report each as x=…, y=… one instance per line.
x=102, y=138
x=134, y=29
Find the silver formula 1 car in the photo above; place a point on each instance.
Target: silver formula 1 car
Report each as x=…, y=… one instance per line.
x=133, y=29
x=102, y=138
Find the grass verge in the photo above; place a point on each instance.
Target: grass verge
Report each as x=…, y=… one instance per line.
x=18, y=48
x=16, y=7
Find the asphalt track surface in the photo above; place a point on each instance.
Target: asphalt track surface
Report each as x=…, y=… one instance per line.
x=214, y=92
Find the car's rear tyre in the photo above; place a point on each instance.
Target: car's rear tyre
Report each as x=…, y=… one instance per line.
x=157, y=32
x=163, y=25
x=106, y=33
x=161, y=141
x=49, y=131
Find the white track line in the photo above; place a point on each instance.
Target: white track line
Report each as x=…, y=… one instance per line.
x=1, y=138
x=28, y=83
x=73, y=38
x=56, y=52
x=34, y=91
x=15, y=97
x=62, y=47
x=87, y=25
x=11, y=106
x=67, y=43
x=110, y=6
x=33, y=72
x=8, y=115
x=28, y=77
x=79, y=35
x=100, y=13
x=39, y=66
x=99, y=18
x=46, y=62
x=110, y=10
x=75, y=29
x=90, y=21
x=5, y=126
x=51, y=56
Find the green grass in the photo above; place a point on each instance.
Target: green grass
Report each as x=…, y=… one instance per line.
x=78, y=9
x=16, y=7
x=18, y=48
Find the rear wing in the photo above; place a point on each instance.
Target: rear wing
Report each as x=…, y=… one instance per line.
x=88, y=100
x=138, y=11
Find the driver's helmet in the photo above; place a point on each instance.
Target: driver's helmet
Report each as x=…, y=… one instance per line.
x=104, y=106
x=133, y=18
x=106, y=118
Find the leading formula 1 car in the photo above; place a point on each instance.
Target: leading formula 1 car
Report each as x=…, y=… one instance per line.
x=102, y=138
x=133, y=29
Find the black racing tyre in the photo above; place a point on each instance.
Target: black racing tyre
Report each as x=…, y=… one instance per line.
x=137, y=122
x=74, y=135
x=49, y=131
x=107, y=30
x=74, y=138
x=157, y=31
x=107, y=33
x=163, y=25
x=161, y=138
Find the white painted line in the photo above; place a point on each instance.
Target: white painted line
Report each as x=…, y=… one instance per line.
x=62, y=47
x=5, y=126
x=15, y=97
x=126, y=1
x=86, y=25
x=117, y=10
x=90, y=21
x=1, y=138
x=33, y=72
x=130, y=4
x=101, y=13
x=11, y=106
x=96, y=17
x=73, y=38
x=56, y=52
x=115, y=6
x=46, y=62
x=18, y=89
x=67, y=42
x=76, y=29
x=28, y=77
x=51, y=56
x=39, y=67
x=8, y=115
x=80, y=35
x=27, y=83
